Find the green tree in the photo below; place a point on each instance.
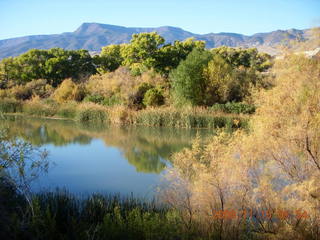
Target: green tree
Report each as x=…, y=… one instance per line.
x=171, y=55
x=142, y=51
x=188, y=81
x=219, y=76
x=110, y=58
x=248, y=58
x=53, y=65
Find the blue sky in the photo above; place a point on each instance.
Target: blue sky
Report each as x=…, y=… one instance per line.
x=29, y=17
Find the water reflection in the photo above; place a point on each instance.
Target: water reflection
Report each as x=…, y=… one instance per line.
x=79, y=148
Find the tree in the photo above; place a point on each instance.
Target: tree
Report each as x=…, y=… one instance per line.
x=275, y=166
x=53, y=65
x=219, y=76
x=142, y=50
x=170, y=55
x=110, y=58
x=188, y=81
x=248, y=58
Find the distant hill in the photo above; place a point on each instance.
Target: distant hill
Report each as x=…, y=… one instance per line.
x=93, y=36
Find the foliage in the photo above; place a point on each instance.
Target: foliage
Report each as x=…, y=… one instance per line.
x=188, y=81
x=54, y=65
x=275, y=167
x=170, y=55
x=94, y=98
x=247, y=58
x=153, y=97
x=234, y=107
x=68, y=90
x=110, y=58
x=136, y=99
x=34, y=88
x=142, y=51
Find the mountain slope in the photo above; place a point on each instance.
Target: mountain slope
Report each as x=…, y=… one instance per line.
x=93, y=36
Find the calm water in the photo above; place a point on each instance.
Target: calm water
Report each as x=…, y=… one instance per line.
x=91, y=158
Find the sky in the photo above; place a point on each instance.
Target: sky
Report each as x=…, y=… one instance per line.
x=33, y=17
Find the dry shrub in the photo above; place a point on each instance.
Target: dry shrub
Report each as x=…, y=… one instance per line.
x=69, y=91
x=273, y=170
x=121, y=115
x=34, y=88
x=121, y=82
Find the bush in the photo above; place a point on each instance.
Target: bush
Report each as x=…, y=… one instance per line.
x=94, y=98
x=34, y=88
x=135, y=101
x=68, y=90
x=233, y=107
x=112, y=101
x=21, y=92
x=10, y=106
x=153, y=97
x=91, y=112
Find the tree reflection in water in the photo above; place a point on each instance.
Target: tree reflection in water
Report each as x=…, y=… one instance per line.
x=147, y=149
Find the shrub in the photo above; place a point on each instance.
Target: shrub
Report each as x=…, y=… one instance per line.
x=68, y=90
x=94, y=98
x=233, y=107
x=91, y=112
x=121, y=115
x=34, y=88
x=153, y=97
x=111, y=101
x=21, y=92
x=10, y=106
x=4, y=93
x=135, y=101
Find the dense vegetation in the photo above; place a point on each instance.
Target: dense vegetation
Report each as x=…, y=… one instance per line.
x=256, y=184
x=146, y=73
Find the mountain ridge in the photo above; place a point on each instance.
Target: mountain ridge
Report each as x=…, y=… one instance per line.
x=93, y=36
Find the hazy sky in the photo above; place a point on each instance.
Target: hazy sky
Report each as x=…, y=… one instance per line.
x=29, y=17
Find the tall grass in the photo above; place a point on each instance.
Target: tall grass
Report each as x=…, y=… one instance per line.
x=195, y=118
x=121, y=115
x=39, y=108
x=90, y=112
x=61, y=215
x=10, y=106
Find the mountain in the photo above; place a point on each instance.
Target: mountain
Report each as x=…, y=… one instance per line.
x=93, y=36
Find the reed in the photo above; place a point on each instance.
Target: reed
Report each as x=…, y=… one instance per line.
x=91, y=112
x=10, y=106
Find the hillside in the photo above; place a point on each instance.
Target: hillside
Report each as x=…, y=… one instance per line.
x=93, y=36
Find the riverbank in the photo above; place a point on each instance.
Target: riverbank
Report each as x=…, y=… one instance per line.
x=160, y=117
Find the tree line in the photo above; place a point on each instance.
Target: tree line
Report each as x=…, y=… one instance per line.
x=190, y=73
